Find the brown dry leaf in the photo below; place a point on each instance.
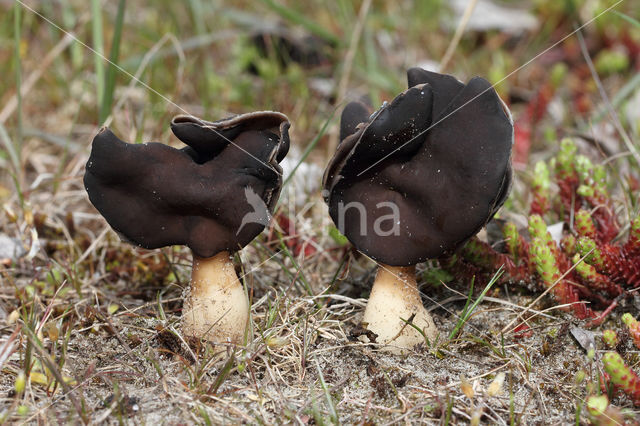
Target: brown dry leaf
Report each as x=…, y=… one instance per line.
x=467, y=387
x=52, y=331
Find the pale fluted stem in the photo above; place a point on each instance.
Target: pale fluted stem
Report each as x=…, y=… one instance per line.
x=394, y=298
x=216, y=307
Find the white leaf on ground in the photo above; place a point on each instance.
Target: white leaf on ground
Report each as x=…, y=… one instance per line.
x=584, y=338
x=556, y=231
x=10, y=248
x=488, y=15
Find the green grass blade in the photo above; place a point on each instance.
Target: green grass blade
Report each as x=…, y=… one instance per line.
x=198, y=16
x=224, y=373
x=98, y=46
x=627, y=90
x=466, y=305
x=633, y=21
x=69, y=20
x=299, y=19
x=298, y=268
x=462, y=319
x=418, y=329
x=512, y=402
x=17, y=38
x=333, y=414
x=205, y=416
x=197, y=12
x=112, y=71
x=468, y=312
x=447, y=418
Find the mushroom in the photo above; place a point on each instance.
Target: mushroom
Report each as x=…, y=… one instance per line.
x=214, y=196
x=413, y=181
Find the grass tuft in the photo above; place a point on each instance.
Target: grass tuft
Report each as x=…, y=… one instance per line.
x=112, y=72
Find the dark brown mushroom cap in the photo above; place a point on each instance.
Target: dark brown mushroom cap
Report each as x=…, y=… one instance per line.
x=440, y=152
x=155, y=195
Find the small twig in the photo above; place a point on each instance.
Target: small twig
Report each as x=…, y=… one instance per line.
x=367, y=407
x=362, y=303
x=408, y=321
x=93, y=245
x=600, y=318
x=148, y=56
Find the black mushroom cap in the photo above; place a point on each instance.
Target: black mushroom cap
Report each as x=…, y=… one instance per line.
x=214, y=195
x=423, y=174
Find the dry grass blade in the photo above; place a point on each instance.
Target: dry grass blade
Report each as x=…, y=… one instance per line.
x=633, y=149
x=10, y=107
x=347, y=64
x=457, y=36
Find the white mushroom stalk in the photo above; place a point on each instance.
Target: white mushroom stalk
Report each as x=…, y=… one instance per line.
x=395, y=311
x=216, y=307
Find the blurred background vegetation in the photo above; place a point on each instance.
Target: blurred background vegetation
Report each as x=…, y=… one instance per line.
x=213, y=58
